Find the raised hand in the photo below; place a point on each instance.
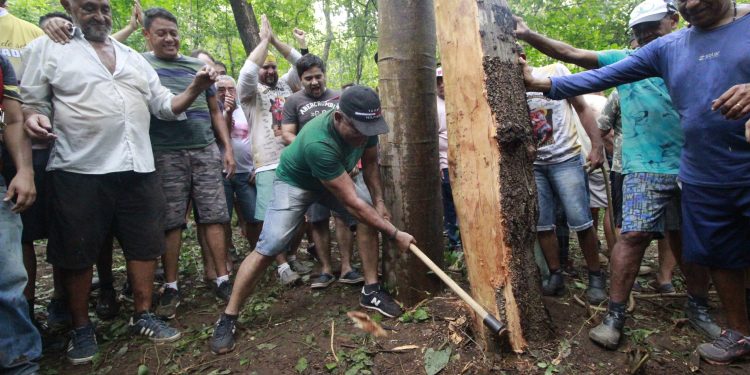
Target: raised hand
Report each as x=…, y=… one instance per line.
x=299, y=36
x=205, y=77
x=522, y=30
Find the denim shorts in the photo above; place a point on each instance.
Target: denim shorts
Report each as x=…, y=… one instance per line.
x=567, y=181
x=239, y=187
x=286, y=211
x=716, y=226
x=650, y=203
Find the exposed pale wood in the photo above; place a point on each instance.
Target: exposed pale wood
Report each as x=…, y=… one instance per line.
x=409, y=152
x=490, y=158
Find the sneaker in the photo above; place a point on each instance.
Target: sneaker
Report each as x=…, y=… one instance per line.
x=149, y=325
x=222, y=341
x=380, y=301
x=609, y=331
x=299, y=267
x=666, y=288
x=555, y=286
x=701, y=320
x=82, y=346
x=126, y=294
x=352, y=277
x=107, y=306
x=596, y=293
x=569, y=269
x=729, y=346
x=323, y=281
x=289, y=277
x=58, y=315
x=168, y=303
x=224, y=291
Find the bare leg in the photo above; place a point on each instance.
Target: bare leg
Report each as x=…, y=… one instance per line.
x=250, y=272
x=214, y=237
x=171, y=256
x=141, y=276
x=609, y=232
x=322, y=238
x=253, y=232
x=588, y=240
x=626, y=259
x=345, y=240
x=367, y=239
x=550, y=248
x=730, y=285
x=75, y=282
x=667, y=262
x=209, y=265
x=696, y=277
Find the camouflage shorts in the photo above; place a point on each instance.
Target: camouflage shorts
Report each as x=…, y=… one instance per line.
x=192, y=175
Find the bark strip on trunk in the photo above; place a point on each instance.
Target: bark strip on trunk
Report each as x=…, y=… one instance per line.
x=491, y=155
x=247, y=24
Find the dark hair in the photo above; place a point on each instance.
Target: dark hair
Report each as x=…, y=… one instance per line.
x=308, y=62
x=220, y=63
x=54, y=15
x=199, y=51
x=2, y=3
x=153, y=13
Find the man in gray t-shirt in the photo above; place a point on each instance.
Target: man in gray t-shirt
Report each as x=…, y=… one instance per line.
x=300, y=108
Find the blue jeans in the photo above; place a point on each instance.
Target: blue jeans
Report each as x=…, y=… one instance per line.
x=567, y=181
x=450, y=222
x=20, y=342
x=239, y=186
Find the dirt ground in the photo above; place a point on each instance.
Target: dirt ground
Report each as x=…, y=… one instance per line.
x=296, y=330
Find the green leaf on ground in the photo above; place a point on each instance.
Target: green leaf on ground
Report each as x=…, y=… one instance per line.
x=435, y=361
x=331, y=366
x=267, y=346
x=143, y=370
x=244, y=361
x=421, y=314
x=301, y=365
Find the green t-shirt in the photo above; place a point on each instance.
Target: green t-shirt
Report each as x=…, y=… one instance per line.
x=652, y=137
x=318, y=153
x=195, y=131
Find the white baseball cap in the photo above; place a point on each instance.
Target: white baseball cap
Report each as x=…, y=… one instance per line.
x=439, y=71
x=650, y=11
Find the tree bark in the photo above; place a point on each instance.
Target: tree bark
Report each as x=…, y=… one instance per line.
x=491, y=155
x=329, y=30
x=409, y=152
x=247, y=24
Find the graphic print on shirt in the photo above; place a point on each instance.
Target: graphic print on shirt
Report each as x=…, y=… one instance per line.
x=541, y=120
x=277, y=110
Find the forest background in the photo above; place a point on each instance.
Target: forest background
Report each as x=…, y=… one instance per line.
x=349, y=28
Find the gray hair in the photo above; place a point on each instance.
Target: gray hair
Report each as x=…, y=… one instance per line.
x=226, y=78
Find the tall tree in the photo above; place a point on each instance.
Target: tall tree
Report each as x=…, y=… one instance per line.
x=409, y=152
x=329, y=30
x=491, y=154
x=247, y=24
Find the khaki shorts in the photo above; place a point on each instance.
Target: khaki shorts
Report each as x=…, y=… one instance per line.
x=192, y=175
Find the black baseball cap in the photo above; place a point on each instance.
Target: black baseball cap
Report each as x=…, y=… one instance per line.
x=362, y=105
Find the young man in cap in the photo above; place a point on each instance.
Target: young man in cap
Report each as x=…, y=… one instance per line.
x=703, y=71
x=314, y=168
x=651, y=143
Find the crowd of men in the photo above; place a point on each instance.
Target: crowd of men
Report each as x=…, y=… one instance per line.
x=132, y=144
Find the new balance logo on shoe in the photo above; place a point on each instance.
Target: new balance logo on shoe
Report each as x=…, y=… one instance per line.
x=375, y=301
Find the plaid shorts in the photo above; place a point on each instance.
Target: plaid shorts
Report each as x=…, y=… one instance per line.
x=195, y=175
x=650, y=203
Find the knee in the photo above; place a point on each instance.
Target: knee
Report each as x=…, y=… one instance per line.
x=637, y=238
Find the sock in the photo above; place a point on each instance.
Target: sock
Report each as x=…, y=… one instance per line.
x=282, y=268
x=700, y=301
x=291, y=258
x=554, y=270
x=222, y=279
x=367, y=289
x=616, y=307
x=231, y=317
x=595, y=273
x=172, y=285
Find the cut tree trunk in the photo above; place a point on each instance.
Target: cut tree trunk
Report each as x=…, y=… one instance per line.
x=491, y=155
x=247, y=24
x=409, y=152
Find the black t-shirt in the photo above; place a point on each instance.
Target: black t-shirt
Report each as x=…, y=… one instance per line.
x=300, y=108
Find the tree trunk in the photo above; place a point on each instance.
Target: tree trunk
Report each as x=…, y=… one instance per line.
x=329, y=30
x=247, y=24
x=491, y=155
x=409, y=152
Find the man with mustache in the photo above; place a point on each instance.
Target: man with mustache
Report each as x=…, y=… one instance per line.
x=304, y=105
x=102, y=166
x=706, y=76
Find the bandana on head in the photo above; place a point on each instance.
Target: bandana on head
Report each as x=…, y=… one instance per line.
x=270, y=59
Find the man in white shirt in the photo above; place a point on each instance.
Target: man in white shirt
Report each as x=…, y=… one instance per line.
x=101, y=166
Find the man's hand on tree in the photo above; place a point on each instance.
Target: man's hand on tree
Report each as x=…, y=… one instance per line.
x=522, y=30
x=734, y=103
x=58, y=29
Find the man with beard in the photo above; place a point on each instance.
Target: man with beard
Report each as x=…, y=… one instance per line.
x=187, y=158
x=315, y=168
x=262, y=94
x=704, y=73
x=316, y=99
x=651, y=144
x=102, y=167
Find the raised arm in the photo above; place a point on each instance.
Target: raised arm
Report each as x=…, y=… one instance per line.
x=136, y=20
x=247, y=82
x=554, y=48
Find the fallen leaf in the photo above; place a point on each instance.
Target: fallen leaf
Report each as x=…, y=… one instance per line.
x=404, y=348
x=435, y=361
x=363, y=322
x=694, y=362
x=301, y=365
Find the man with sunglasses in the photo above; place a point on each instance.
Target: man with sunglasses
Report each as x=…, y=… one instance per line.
x=314, y=168
x=651, y=144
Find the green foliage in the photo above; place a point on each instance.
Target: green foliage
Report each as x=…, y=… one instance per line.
x=435, y=361
x=421, y=314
